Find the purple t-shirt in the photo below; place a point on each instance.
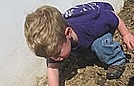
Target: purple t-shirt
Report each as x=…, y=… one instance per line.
x=90, y=21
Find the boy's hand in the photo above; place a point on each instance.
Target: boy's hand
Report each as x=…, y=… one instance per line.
x=128, y=40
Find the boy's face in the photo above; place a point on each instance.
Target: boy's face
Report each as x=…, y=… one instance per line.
x=65, y=51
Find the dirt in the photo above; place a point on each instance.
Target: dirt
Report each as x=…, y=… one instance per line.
x=82, y=72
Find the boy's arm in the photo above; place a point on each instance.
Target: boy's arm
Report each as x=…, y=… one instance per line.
x=127, y=37
x=53, y=74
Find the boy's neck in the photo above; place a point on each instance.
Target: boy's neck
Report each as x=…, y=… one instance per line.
x=74, y=36
x=74, y=39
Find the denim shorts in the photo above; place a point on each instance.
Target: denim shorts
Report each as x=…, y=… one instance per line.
x=108, y=51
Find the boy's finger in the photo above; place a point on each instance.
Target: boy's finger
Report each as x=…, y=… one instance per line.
x=129, y=46
x=125, y=45
x=133, y=51
x=132, y=45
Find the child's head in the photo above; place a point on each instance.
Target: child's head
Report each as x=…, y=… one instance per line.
x=45, y=31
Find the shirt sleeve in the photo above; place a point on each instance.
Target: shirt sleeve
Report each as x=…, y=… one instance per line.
x=113, y=20
x=49, y=60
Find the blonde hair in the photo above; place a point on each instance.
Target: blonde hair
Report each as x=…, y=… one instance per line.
x=44, y=31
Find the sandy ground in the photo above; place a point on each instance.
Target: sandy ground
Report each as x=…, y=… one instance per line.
x=82, y=72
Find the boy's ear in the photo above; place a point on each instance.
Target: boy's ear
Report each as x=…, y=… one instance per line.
x=68, y=31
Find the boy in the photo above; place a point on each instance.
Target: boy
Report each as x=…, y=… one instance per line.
x=83, y=28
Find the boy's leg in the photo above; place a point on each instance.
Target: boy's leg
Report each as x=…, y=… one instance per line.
x=109, y=52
